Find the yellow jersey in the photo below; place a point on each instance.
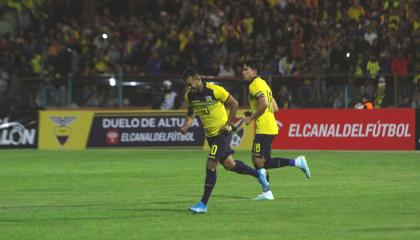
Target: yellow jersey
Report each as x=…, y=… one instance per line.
x=209, y=106
x=266, y=123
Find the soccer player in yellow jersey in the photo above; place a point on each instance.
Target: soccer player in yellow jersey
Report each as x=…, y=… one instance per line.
x=263, y=107
x=208, y=101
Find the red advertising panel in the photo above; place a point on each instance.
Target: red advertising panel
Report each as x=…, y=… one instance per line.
x=346, y=129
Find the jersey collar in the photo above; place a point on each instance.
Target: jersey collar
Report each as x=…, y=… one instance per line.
x=253, y=79
x=204, y=85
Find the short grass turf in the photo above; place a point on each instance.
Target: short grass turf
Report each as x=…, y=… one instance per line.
x=145, y=194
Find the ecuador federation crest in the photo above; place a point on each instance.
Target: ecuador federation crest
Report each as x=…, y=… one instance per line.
x=62, y=130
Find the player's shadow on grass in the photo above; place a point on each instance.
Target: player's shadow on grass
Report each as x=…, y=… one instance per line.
x=169, y=202
x=230, y=197
x=175, y=210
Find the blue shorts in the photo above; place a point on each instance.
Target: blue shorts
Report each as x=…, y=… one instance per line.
x=261, y=146
x=220, y=146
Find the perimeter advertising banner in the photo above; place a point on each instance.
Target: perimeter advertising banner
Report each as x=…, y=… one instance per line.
x=19, y=132
x=64, y=129
x=156, y=129
x=346, y=129
x=126, y=128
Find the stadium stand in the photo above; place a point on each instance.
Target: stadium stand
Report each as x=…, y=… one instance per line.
x=316, y=53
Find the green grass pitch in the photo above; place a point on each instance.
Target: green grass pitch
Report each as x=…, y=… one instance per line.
x=144, y=194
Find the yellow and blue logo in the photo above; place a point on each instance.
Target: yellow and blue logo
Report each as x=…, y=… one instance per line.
x=62, y=130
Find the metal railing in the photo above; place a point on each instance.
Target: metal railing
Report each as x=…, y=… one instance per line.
x=293, y=91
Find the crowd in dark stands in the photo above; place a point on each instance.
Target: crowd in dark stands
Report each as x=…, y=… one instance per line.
x=316, y=53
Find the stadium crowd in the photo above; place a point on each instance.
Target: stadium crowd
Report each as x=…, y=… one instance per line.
x=316, y=53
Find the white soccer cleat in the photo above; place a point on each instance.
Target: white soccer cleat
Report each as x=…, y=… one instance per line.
x=300, y=162
x=264, y=196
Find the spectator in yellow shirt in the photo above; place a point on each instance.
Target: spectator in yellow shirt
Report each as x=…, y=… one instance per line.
x=356, y=11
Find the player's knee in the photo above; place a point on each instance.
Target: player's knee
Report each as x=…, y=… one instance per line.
x=258, y=162
x=211, y=165
x=228, y=164
x=229, y=168
x=254, y=159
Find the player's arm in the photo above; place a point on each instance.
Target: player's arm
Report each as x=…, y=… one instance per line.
x=189, y=118
x=262, y=105
x=274, y=105
x=232, y=105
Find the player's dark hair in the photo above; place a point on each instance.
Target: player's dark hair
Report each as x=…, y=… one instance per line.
x=254, y=64
x=189, y=72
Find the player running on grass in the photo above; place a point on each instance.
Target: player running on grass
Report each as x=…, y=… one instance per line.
x=208, y=101
x=263, y=107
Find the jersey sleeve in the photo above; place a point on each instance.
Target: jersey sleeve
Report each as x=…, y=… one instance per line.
x=256, y=90
x=190, y=109
x=187, y=99
x=220, y=93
